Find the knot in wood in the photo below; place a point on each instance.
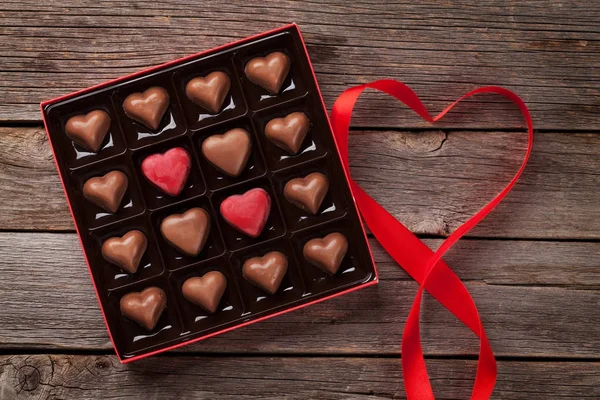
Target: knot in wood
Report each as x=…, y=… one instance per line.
x=28, y=378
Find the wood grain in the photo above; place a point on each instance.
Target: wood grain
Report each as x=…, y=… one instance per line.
x=442, y=51
x=431, y=181
x=102, y=377
x=531, y=265
x=32, y=195
x=557, y=319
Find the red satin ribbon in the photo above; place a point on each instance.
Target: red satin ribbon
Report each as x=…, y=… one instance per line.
x=424, y=265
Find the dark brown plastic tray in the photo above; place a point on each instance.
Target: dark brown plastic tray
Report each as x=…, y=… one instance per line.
x=186, y=125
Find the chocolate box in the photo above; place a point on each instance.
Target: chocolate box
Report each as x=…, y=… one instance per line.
x=219, y=244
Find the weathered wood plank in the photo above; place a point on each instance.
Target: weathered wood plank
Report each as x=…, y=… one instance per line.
x=39, y=269
x=431, y=181
x=28, y=177
x=441, y=51
x=101, y=377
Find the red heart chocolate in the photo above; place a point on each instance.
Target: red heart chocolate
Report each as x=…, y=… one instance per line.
x=248, y=212
x=288, y=132
x=144, y=307
x=168, y=171
x=229, y=152
x=267, y=271
x=269, y=72
x=209, y=92
x=326, y=253
x=188, y=231
x=205, y=291
x=89, y=130
x=307, y=193
x=148, y=107
x=106, y=191
x=126, y=251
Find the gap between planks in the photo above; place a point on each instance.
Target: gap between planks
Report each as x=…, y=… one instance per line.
x=194, y=353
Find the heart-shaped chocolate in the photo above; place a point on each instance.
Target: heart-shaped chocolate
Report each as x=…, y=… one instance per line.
x=188, y=231
x=148, y=107
x=89, y=130
x=247, y=212
x=209, y=91
x=288, y=132
x=307, y=193
x=326, y=253
x=106, y=191
x=269, y=72
x=168, y=171
x=125, y=251
x=267, y=271
x=229, y=152
x=144, y=307
x=205, y=291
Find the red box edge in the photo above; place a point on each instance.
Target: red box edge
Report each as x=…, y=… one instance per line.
x=168, y=63
x=43, y=104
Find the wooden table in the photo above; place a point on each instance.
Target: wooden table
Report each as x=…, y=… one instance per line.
x=533, y=265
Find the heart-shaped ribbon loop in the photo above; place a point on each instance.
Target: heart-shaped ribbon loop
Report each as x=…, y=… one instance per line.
x=424, y=265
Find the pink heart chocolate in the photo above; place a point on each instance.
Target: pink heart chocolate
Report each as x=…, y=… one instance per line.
x=247, y=212
x=168, y=171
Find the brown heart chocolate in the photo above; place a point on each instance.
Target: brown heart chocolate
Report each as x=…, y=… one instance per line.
x=106, y=191
x=89, y=130
x=209, y=92
x=288, y=132
x=326, y=253
x=269, y=72
x=205, y=291
x=307, y=193
x=229, y=152
x=144, y=307
x=267, y=271
x=188, y=231
x=148, y=107
x=126, y=251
